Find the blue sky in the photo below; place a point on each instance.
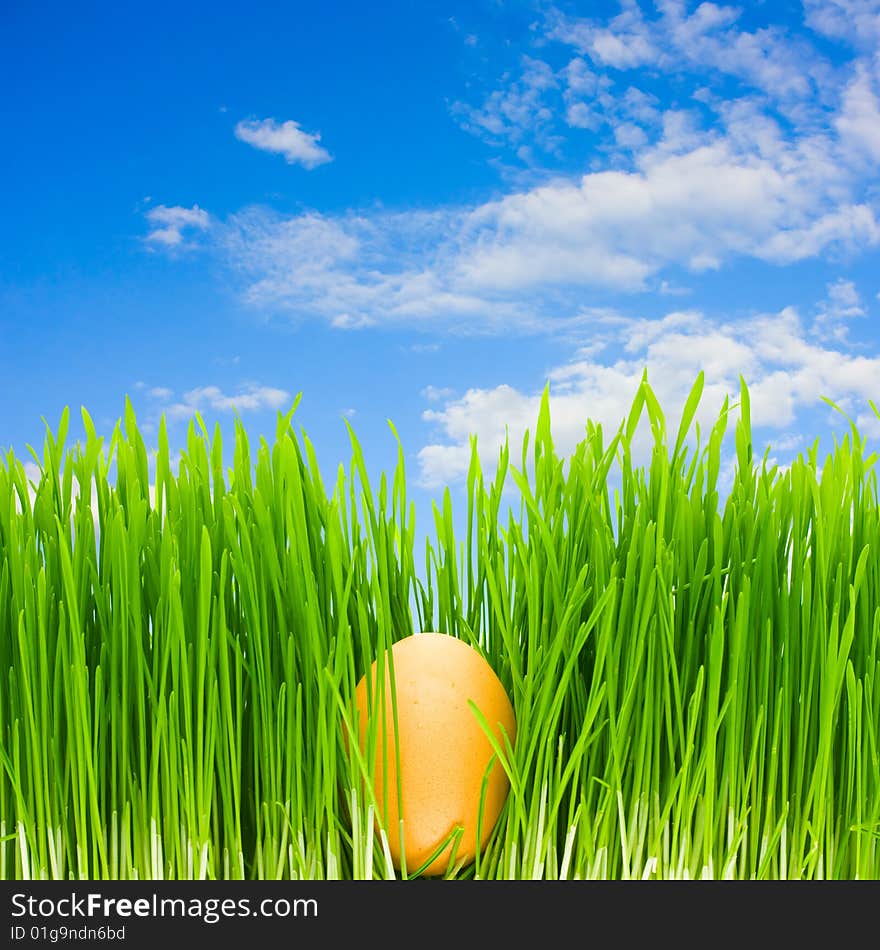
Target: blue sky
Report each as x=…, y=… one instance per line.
x=425, y=211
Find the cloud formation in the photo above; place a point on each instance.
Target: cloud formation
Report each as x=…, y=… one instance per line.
x=284, y=138
x=771, y=155
x=249, y=398
x=708, y=39
x=767, y=152
x=834, y=314
x=697, y=203
x=787, y=370
x=855, y=21
x=168, y=224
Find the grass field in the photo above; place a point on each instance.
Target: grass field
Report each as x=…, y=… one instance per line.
x=695, y=677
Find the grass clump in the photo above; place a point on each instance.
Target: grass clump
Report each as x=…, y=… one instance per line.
x=695, y=679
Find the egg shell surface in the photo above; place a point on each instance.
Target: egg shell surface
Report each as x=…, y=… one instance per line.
x=443, y=749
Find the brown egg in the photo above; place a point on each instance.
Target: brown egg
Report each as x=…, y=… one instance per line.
x=443, y=750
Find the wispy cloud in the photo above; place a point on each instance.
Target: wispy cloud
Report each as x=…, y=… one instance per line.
x=859, y=121
x=835, y=312
x=668, y=288
x=168, y=224
x=625, y=42
x=708, y=39
x=601, y=88
x=436, y=393
x=284, y=138
x=358, y=270
x=516, y=112
x=249, y=398
x=856, y=21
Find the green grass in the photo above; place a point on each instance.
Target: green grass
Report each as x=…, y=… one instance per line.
x=695, y=679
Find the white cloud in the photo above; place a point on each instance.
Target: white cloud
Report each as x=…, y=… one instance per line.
x=786, y=372
x=348, y=321
x=628, y=135
x=167, y=224
x=354, y=270
x=845, y=298
x=284, y=138
x=698, y=208
x=850, y=227
x=583, y=108
x=857, y=21
x=869, y=425
x=787, y=441
x=692, y=201
x=580, y=116
x=859, y=120
x=842, y=304
x=160, y=392
x=668, y=288
x=625, y=43
x=250, y=398
x=436, y=393
x=780, y=175
x=517, y=111
x=677, y=40
x=766, y=57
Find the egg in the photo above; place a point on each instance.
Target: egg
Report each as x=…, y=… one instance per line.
x=444, y=752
